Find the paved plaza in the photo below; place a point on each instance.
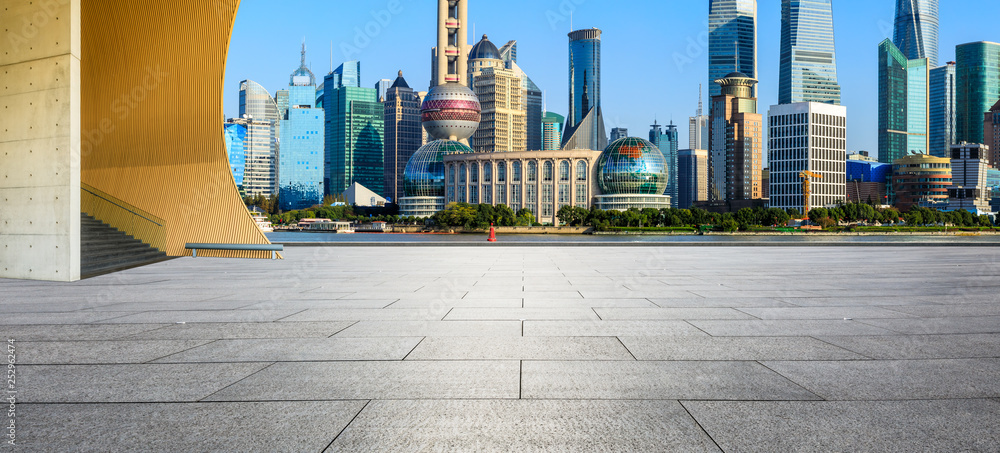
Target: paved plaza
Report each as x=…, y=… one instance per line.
x=517, y=349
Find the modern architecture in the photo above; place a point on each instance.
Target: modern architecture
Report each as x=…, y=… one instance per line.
x=968, y=189
x=401, y=108
x=916, y=29
x=354, y=133
x=804, y=138
x=867, y=180
x=535, y=108
x=920, y=180
x=585, y=123
x=382, y=87
x=260, y=175
x=667, y=141
x=902, y=104
x=942, y=109
x=977, y=86
x=423, y=179
x=808, y=55
x=234, y=135
x=732, y=41
x=991, y=132
x=552, y=126
x=502, y=98
x=301, y=162
x=631, y=173
x=736, y=159
x=698, y=127
x=692, y=177
x=618, y=132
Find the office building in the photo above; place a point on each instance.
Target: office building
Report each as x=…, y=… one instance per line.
x=867, y=179
x=403, y=134
x=502, y=98
x=736, y=157
x=301, y=162
x=552, y=126
x=354, y=132
x=234, y=135
x=632, y=173
x=692, y=177
x=667, y=142
x=618, y=132
x=281, y=101
x=509, y=51
x=585, y=123
x=920, y=180
x=807, y=136
x=916, y=29
x=977, y=83
x=808, y=70
x=969, y=189
x=260, y=175
x=902, y=104
x=698, y=127
x=732, y=41
x=534, y=104
x=991, y=132
x=382, y=87
x=942, y=109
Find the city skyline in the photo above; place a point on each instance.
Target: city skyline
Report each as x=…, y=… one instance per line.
x=680, y=63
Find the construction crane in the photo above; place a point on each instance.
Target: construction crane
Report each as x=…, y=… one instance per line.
x=807, y=188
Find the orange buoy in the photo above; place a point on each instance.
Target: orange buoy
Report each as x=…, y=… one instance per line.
x=493, y=234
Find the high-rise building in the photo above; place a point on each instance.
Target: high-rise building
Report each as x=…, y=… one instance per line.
x=920, y=180
x=916, y=30
x=402, y=134
x=977, y=86
x=552, y=125
x=534, y=105
x=667, y=142
x=502, y=96
x=234, y=136
x=968, y=189
x=619, y=132
x=354, y=133
x=585, y=122
x=509, y=51
x=257, y=103
x=281, y=101
x=942, y=113
x=692, y=177
x=991, y=128
x=301, y=162
x=698, y=128
x=807, y=136
x=260, y=175
x=732, y=41
x=902, y=104
x=808, y=55
x=382, y=87
x=736, y=158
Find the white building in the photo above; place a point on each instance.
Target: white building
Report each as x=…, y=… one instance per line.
x=968, y=189
x=260, y=176
x=807, y=136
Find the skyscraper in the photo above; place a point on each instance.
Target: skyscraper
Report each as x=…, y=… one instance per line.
x=977, y=86
x=808, y=56
x=354, y=132
x=301, y=162
x=234, y=136
x=382, y=87
x=619, y=132
x=698, y=129
x=916, y=30
x=902, y=104
x=732, y=36
x=502, y=96
x=807, y=136
x=552, y=126
x=585, y=122
x=667, y=142
x=942, y=113
x=692, y=177
x=259, y=114
x=991, y=130
x=534, y=103
x=402, y=133
x=736, y=156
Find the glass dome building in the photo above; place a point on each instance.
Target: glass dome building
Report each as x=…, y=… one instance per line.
x=423, y=179
x=632, y=173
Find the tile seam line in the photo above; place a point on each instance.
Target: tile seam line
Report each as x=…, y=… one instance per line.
x=817, y=395
x=202, y=399
x=698, y=423
x=329, y=445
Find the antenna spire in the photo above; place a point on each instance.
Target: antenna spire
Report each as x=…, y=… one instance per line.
x=699, y=100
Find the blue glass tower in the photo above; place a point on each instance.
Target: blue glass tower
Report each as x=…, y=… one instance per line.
x=300, y=165
x=667, y=142
x=916, y=30
x=585, y=87
x=903, y=104
x=354, y=132
x=234, y=135
x=808, y=56
x=732, y=36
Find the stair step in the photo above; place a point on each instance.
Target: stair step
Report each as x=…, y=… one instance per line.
x=105, y=249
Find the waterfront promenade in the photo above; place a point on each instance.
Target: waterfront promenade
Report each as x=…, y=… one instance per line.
x=517, y=349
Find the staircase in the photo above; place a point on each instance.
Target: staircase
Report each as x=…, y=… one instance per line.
x=104, y=249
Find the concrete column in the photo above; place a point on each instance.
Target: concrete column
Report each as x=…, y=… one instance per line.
x=463, y=41
x=40, y=140
x=442, y=43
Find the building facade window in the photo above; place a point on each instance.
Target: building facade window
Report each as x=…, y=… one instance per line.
x=548, y=171
x=501, y=172
x=461, y=174
x=474, y=173
x=581, y=171
x=488, y=173
x=474, y=194
x=581, y=195
x=564, y=171
x=501, y=194
x=564, y=195
x=532, y=172
x=487, y=194
x=516, y=169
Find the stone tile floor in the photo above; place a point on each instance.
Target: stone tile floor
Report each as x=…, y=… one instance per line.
x=517, y=349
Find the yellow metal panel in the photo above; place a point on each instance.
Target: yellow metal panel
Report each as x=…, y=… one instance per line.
x=152, y=80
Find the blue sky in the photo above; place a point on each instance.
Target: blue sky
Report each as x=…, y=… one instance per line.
x=653, y=52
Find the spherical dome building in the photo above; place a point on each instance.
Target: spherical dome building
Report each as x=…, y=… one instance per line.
x=451, y=112
x=632, y=173
x=423, y=178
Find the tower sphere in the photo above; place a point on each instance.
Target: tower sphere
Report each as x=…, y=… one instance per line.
x=632, y=166
x=451, y=112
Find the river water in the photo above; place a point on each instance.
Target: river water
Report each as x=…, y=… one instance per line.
x=299, y=237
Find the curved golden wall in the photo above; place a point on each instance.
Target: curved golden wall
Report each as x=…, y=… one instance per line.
x=152, y=75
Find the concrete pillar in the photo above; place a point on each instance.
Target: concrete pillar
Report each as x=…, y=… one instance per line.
x=40, y=140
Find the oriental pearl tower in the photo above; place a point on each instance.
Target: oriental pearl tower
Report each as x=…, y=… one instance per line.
x=451, y=111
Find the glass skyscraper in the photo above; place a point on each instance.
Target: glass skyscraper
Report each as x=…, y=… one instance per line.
x=402, y=134
x=354, y=132
x=942, y=110
x=808, y=56
x=234, y=135
x=667, y=142
x=732, y=32
x=916, y=30
x=902, y=104
x=584, y=74
x=977, y=86
x=300, y=164
x=259, y=110
x=552, y=126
